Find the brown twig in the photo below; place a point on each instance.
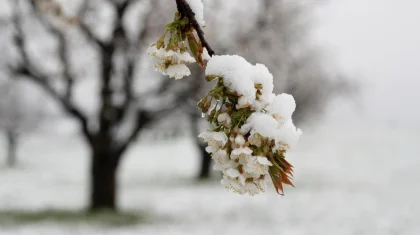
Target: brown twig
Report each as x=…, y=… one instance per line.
x=185, y=10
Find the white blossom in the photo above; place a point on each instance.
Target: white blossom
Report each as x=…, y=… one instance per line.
x=261, y=183
x=170, y=62
x=178, y=71
x=240, y=140
x=232, y=173
x=226, y=165
x=243, y=102
x=215, y=140
x=241, y=153
x=224, y=119
x=257, y=166
x=232, y=184
x=250, y=188
x=222, y=160
x=255, y=139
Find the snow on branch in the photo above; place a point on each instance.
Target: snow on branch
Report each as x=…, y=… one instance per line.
x=253, y=128
x=185, y=10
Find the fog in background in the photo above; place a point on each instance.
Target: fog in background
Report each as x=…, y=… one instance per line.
x=378, y=42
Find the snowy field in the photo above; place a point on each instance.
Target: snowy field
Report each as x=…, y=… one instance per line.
x=348, y=181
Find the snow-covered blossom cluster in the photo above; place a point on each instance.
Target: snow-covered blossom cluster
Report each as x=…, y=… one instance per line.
x=179, y=46
x=253, y=127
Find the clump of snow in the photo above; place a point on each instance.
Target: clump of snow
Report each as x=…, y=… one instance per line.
x=285, y=135
x=242, y=77
x=197, y=7
x=261, y=123
x=282, y=106
x=261, y=75
x=236, y=72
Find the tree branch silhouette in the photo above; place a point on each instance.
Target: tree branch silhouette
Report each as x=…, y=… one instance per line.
x=185, y=10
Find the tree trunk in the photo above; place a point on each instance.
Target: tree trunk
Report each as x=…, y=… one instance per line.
x=205, y=162
x=103, y=182
x=205, y=158
x=11, y=137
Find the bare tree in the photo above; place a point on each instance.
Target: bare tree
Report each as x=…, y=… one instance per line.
x=114, y=34
x=20, y=113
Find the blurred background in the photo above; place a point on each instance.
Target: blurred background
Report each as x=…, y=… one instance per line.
x=94, y=141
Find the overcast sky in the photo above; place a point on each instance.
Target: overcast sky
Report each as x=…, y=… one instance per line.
x=378, y=41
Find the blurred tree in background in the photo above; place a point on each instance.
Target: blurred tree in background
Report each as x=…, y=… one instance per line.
x=22, y=107
x=89, y=57
x=86, y=56
x=20, y=113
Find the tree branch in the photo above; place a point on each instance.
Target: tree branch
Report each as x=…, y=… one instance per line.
x=132, y=59
x=120, y=41
x=27, y=68
x=111, y=114
x=146, y=117
x=84, y=28
x=62, y=50
x=143, y=118
x=185, y=10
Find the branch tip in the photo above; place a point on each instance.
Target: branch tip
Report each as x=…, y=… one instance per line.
x=185, y=10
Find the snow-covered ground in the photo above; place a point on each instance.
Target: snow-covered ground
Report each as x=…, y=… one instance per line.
x=349, y=180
